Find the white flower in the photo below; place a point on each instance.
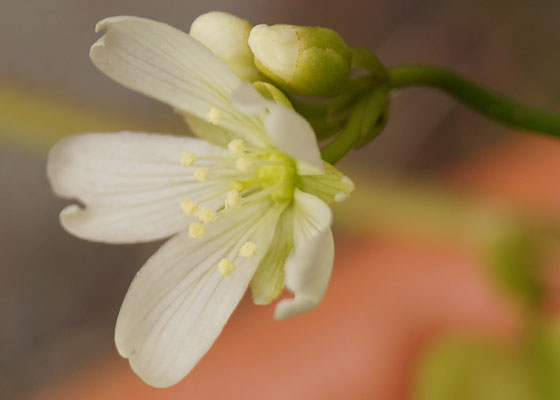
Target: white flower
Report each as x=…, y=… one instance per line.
x=267, y=226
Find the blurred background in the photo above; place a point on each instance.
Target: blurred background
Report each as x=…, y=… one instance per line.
x=445, y=282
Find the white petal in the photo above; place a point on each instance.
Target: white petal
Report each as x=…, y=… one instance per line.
x=169, y=65
x=292, y=134
x=246, y=99
x=179, y=302
x=131, y=184
x=308, y=269
x=289, y=131
x=209, y=132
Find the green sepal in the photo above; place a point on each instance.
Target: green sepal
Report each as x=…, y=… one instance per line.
x=367, y=60
x=331, y=186
x=271, y=92
x=268, y=282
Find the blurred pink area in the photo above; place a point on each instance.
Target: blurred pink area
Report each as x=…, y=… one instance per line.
x=389, y=299
x=386, y=301
x=522, y=172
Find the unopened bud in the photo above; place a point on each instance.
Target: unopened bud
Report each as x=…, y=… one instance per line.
x=226, y=36
x=310, y=61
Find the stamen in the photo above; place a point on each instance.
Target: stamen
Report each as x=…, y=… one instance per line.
x=196, y=230
x=188, y=159
x=225, y=267
x=236, y=185
x=243, y=164
x=248, y=250
x=201, y=174
x=206, y=215
x=233, y=199
x=189, y=207
x=236, y=146
x=214, y=116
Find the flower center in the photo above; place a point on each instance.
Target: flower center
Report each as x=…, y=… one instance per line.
x=240, y=179
x=280, y=177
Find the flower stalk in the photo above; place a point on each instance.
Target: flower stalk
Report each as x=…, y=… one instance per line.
x=354, y=122
x=487, y=102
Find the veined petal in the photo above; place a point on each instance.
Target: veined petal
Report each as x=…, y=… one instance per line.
x=131, y=184
x=288, y=130
x=169, y=65
x=308, y=269
x=179, y=302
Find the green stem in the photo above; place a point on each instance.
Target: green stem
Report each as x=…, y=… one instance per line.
x=361, y=124
x=349, y=136
x=490, y=103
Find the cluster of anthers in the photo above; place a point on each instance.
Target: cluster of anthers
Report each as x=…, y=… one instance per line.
x=251, y=175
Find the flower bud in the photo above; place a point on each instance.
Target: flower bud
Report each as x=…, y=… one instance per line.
x=310, y=61
x=226, y=36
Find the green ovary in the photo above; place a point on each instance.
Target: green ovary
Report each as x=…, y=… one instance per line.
x=281, y=176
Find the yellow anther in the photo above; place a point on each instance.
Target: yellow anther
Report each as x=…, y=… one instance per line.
x=248, y=250
x=188, y=159
x=236, y=146
x=243, y=164
x=225, y=267
x=214, y=116
x=189, y=207
x=206, y=215
x=233, y=199
x=196, y=230
x=201, y=174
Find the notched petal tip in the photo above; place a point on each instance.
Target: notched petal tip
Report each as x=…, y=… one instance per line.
x=100, y=43
x=105, y=22
x=71, y=219
x=100, y=26
x=289, y=308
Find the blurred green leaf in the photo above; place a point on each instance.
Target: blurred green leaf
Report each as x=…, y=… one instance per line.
x=36, y=118
x=513, y=257
x=463, y=369
x=544, y=355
